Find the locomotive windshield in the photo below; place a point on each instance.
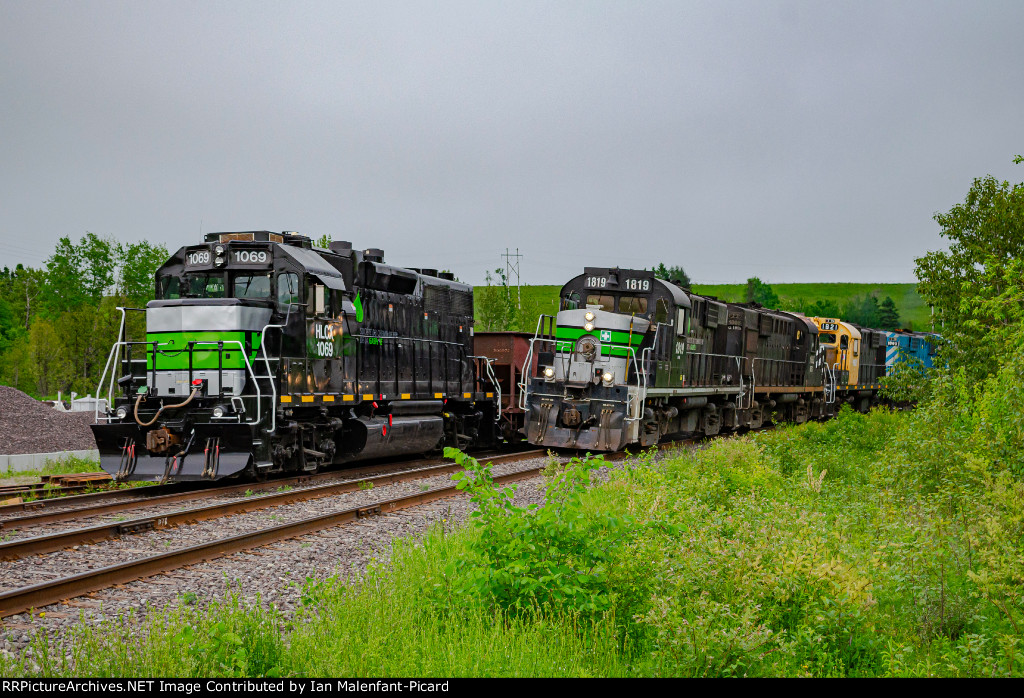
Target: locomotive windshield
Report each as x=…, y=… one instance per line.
x=251, y=286
x=192, y=286
x=212, y=285
x=606, y=302
x=634, y=305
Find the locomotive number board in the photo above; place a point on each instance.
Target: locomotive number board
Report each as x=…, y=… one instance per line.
x=251, y=257
x=255, y=257
x=826, y=326
x=636, y=284
x=626, y=284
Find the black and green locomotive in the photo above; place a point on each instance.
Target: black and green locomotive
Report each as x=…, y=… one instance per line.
x=264, y=354
x=632, y=359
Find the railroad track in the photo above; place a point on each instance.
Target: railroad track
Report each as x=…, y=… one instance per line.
x=98, y=503
x=65, y=587
x=38, y=595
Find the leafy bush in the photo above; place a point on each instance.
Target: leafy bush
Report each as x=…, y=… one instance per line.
x=554, y=557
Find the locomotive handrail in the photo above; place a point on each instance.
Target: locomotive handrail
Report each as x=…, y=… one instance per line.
x=641, y=388
x=488, y=362
x=108, y=365
x=753, y=372
x=524, y=387
x=828, y=383
x=191, y=348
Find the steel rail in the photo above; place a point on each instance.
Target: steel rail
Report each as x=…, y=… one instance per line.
x=136, y=492
x=47, y=593
x=182, y=491
x=39, y=545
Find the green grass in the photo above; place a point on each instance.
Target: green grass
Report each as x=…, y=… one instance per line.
x=914, y=313
x=911, y=306
x=69, y=465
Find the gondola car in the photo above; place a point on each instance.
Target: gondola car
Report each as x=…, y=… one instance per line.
x=266, y=354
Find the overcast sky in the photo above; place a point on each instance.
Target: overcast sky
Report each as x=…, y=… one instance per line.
x=794, y=141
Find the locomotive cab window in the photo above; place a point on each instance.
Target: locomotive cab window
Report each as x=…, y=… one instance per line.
x=288, y=289
x=634, y=305
x=661, y=311
x=571, y=301
x=170, y=287
x=827, y=338
x=204, y=286
x=681, y=327
x=251, y=286
x=606, y=302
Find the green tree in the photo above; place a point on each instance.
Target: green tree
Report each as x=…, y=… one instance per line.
x=675, y=274
x=21, y=287
x=99, y=259
x=17, y=367
x=497, y=304
x=827, y=308
x=9, y=327
x=888, y=315
x=46, y=356
x=982, y=266
x=137, y=263
x=761, y=293
x=79, y=274
x=861, y=310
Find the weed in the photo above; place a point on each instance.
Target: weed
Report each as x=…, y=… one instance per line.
x=365, y=485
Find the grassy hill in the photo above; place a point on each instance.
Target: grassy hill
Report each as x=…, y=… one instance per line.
x=913, y=311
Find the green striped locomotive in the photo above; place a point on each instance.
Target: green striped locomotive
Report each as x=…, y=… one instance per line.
x=631, y=359
x=263, y=354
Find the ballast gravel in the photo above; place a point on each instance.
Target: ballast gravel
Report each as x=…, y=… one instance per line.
x=271, y=575
x=30, y=426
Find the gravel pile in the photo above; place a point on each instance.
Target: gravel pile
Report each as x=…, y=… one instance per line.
x=30, y=426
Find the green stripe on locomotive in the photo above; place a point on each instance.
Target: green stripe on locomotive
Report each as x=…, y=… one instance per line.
x=615, y=336
x=606, y=348
x=174, y=355
x=617, y=345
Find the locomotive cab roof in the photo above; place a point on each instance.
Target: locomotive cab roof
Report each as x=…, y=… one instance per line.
x=613, y=280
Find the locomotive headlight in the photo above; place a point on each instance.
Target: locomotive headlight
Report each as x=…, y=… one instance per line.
x=608, y=377
x=549, y=372
x=219, y=250
x=589, y=317
x=122, y=412
x=589, y=327
x=219, y=411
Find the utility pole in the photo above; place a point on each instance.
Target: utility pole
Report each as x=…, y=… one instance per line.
x=513, y=268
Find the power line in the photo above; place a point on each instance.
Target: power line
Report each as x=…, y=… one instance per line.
x=513, y=267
